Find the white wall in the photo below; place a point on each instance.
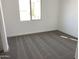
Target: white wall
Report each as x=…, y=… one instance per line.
x=15, y=27
x=68, y=21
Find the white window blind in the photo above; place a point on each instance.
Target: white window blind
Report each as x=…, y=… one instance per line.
x=30, y=10
x=24, y=7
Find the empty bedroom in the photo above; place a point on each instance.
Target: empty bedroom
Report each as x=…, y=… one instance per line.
x=38, y=29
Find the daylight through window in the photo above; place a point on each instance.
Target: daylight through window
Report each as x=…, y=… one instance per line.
x=30, y=10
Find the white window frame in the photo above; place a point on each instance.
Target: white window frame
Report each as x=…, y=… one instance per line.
x=31, y=12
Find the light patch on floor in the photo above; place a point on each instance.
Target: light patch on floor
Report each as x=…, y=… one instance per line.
x=73, y=39
x=65, y=37
x=6, y=56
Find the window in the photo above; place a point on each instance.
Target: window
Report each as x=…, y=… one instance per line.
x=30, y=10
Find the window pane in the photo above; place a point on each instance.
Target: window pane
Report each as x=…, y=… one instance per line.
x=24, y=6
x=36, y=9
x=24, y=16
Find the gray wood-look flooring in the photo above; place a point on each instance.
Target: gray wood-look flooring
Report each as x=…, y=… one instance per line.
x=46, y=45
